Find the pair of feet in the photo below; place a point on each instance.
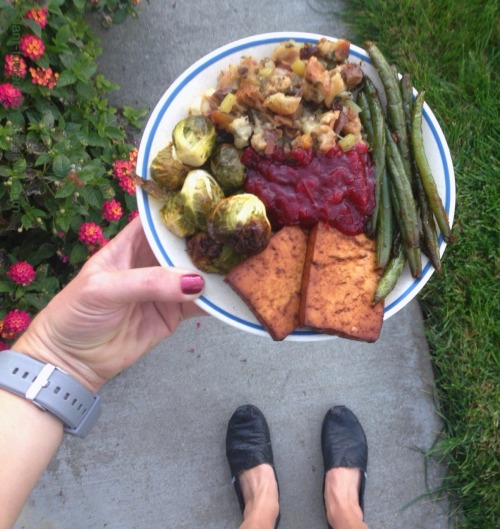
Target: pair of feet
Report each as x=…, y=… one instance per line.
x=250, y=457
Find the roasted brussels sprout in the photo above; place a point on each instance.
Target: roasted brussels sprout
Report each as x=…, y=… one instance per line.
x=241, y=222
x=200, y=193
x=167, y=171
x=211, y=256
x=173, y=215
x=227, y=167
x=194, y=140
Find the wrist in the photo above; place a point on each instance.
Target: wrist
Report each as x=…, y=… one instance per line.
x=45, y=350
x=50, y=389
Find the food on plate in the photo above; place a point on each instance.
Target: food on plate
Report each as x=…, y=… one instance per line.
x=270, y=282
x=200, y=194
x=338, y=285
x=194, y=140
x=210, y=255
x=293, y=143
x=174, y=216
x=240, y=221
x=167, y=171
x=227, y=168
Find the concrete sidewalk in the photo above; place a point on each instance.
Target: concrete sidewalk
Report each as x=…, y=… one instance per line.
x=157, y=457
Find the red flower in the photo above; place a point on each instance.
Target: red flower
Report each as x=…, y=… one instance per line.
x=10, y=96
x=44, y=77
x=32, y=47
x=22, y=273
x=112, y=210
x=133, y=215
x=39, y=15
x=15, y=322
x=15, y=66
x=127, y=184
x=122, y=168
x=90, y=233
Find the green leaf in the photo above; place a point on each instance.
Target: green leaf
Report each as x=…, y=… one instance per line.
x=93, y=196
x=79, y=4
x=26, y=221
x=84, y=68
x=45, y=251
x=66, y=78
x=67, y=60
x=6, y=286
x=62, y=36
x=66, y=190
x=43, y=159
x=48, y=119
x=37, y=301
x=78, y=254
x=35, y=28
x=134, y=115
x=16, y=189
x=61, y=167
x=63, y=222
x=114, y=133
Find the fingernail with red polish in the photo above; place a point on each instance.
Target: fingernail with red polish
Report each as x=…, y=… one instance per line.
x=192, y=284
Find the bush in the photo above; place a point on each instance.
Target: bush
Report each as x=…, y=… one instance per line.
x=66, y=155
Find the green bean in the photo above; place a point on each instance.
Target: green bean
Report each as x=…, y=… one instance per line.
x=395, y=111
x=390, y=276
x=403, y=190
x=412, y=252
x=427, y=179
x=385, y=224
x=378, y=146
x=429, y=237
x=365, y=116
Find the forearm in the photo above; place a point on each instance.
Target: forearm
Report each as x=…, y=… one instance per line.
x=29, y=438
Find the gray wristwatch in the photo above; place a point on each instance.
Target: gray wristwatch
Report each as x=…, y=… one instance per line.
x=52, y=390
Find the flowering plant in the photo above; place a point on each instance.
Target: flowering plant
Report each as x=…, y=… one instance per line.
x=66, y=156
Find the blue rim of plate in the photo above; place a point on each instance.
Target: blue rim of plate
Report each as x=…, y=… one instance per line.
x=242, y=45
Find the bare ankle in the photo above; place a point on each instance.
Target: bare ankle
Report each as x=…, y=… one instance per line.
x=260, y=494
x=342, y=498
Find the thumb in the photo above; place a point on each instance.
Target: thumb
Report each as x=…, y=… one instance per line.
x=155, y=283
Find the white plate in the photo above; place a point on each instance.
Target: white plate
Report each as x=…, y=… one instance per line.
x=219, y=299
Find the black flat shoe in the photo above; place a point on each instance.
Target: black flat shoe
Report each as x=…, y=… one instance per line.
x=248, y=444
x=343, y=443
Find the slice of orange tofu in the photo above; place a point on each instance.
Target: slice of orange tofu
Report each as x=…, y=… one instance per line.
x=339, y=282
x=270, y=282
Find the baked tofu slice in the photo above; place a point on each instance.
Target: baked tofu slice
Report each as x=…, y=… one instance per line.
x=339, y=281
x=270, y=282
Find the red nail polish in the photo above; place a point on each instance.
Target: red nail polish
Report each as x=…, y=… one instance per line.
x=192, y=284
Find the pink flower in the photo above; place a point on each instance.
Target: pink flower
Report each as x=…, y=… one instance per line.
x=39, y=15
x=44, y=77
x=15, y=65
x=21, y=273
x=90, y=233
x=4, y=346
x=122, y=168
x=127, y=184
x=31, y=46
x=15, y=322
x=10, y=96
x=133, y=215
x=112, y=210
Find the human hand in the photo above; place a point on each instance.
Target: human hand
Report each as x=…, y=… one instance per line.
x=120, y=305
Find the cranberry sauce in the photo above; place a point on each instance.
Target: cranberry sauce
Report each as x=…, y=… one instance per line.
x=303, y=187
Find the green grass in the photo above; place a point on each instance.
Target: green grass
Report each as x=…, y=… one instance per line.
x=452, y=50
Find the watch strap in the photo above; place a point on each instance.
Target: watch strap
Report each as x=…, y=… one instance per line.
x=51, y=389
